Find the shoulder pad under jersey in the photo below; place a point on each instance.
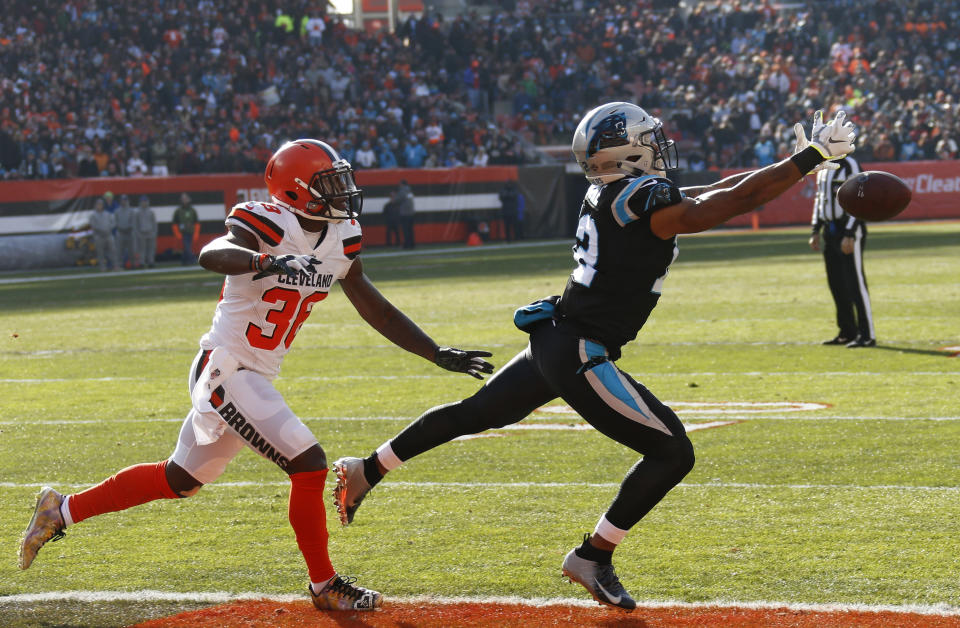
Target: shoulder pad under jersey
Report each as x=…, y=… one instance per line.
x=642, y=195
x=262, y=219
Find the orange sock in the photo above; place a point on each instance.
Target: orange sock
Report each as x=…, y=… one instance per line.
x=309, y=521
x=130, y=487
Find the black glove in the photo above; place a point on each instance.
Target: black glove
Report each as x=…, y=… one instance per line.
x=288, y=265
x=459, y=361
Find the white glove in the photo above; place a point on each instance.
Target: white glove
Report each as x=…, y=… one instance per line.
x=803, y=142
x=834, y=139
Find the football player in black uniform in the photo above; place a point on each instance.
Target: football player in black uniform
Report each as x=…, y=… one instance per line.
x=625, y=243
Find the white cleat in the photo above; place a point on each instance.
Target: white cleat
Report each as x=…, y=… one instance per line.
x=351, y=488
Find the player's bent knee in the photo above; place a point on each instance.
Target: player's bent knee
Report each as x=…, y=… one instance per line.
x=181, y=482
x=313, y=459
x=683, y=458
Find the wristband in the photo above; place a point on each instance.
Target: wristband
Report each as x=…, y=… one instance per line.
x=807, y=159
x=261, y=261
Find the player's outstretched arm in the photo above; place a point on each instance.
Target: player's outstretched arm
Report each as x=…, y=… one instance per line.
x=236, y=254
x=396, y=327
x=722, y=184
x=693, y=214
x=230, y=254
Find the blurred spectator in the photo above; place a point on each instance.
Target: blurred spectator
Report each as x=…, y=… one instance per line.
x=102, y=223
x=198, y=89
x=110, y=202
x=391, y=214
x=186, y=227
x=365, y=157
x=146, y=233
x=126, y=222
x=510, y=199
x=406, y=211
x=414, y=154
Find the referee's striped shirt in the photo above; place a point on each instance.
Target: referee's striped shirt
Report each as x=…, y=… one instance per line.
x=825, y=207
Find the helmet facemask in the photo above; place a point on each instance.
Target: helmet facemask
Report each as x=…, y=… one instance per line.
x=657, y=154
x=333, y=192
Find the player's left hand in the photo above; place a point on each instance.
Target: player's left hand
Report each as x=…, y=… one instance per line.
x=459, y=361
x=834, y=139
x=803, y=142
x=289, y=265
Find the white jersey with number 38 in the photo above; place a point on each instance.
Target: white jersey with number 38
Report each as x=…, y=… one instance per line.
x=257, y=320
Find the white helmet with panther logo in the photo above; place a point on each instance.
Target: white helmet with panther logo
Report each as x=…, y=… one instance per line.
x=620, y=139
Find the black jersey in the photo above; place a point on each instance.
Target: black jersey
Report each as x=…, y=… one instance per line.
x=621, y=263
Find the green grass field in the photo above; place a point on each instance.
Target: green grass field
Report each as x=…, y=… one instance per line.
x=854, y=501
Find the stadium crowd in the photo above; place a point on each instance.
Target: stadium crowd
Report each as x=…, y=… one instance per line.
x=97, y=88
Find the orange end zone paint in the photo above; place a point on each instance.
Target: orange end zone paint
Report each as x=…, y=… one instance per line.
x=264, y=613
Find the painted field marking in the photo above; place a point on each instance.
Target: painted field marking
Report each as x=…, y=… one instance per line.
x=333, y=419
x=575, y=427
x=717, y=407
x=547, y=485
x=221, y=597
x=336, y=378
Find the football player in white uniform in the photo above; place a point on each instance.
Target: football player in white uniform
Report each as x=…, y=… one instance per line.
x=280, y=259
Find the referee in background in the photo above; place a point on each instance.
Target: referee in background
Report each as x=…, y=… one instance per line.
x=844, y=237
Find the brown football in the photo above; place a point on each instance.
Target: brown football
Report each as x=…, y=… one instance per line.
x=874, y=195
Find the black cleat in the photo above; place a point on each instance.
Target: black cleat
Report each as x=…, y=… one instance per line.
x=838, y=340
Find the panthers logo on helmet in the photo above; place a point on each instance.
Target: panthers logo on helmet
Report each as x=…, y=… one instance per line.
x=611, y=131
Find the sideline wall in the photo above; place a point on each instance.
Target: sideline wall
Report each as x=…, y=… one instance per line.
x=36, y=217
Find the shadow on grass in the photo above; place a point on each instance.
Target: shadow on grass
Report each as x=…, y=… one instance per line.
x=934, y=352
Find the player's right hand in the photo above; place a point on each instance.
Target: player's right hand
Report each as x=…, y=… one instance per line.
x=834, y=139
x=289, y=265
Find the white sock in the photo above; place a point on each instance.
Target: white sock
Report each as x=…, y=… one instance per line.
x=65, y=512
x=609, y=532
x=317, y=587
x=387, y=458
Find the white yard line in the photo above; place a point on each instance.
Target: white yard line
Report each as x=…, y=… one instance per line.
x=637, y=376
x=545, y=485
x=221, y=597
x=707, y=416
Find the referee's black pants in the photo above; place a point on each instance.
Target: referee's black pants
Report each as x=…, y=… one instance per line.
x=559, y=364
x=848, y=281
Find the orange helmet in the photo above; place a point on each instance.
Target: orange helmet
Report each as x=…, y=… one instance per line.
x=309, y=178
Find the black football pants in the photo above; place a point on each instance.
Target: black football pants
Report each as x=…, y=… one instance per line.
x=848, y=281
x=558, y=364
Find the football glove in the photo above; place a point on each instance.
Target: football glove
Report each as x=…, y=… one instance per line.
x=289, y=265
x=458, y=361
x=834, y=139
x=803, y=142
